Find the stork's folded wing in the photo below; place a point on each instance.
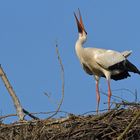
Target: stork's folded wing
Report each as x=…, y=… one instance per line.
x=109, y=58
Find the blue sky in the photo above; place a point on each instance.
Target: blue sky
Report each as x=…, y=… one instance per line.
x=28, y=33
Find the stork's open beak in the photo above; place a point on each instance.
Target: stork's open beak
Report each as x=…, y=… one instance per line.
x=80, y=24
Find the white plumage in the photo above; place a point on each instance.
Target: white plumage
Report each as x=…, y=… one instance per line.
x=101, y=62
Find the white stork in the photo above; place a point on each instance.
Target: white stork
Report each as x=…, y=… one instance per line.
x=101, y=62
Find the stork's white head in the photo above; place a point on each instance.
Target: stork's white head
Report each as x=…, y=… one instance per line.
x=82, y=32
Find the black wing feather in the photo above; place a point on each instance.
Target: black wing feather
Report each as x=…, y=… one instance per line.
x=124, y=67
x=122, y=75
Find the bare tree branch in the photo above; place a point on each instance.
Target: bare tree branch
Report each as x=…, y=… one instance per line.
x=63, y=82
x=15, y=99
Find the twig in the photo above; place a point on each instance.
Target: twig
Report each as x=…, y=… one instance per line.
x=129, y=126
x=113, y=96
x=129, y=104
x=49, y=97
x=136, y=96
x=33, y=113
x=125, y=89
x=63, y=82
x=30, y=114
x=107, y=134
x=94, y=111
x=6, y=116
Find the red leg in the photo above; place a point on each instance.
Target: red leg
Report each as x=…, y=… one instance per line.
x=109, y=94
x=97, y=96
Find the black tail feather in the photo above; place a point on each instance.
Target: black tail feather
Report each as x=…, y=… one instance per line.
x=131, y=67
x=124, y=67
x=122, y=75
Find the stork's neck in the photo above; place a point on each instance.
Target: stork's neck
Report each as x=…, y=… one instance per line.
x=79, y=48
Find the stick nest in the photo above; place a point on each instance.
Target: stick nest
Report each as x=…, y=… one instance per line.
x=106, y=126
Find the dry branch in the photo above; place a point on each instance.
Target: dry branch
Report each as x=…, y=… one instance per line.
x=15, y=99
x=63, y=82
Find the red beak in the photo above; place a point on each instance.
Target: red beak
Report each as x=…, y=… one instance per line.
x=80, y=24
